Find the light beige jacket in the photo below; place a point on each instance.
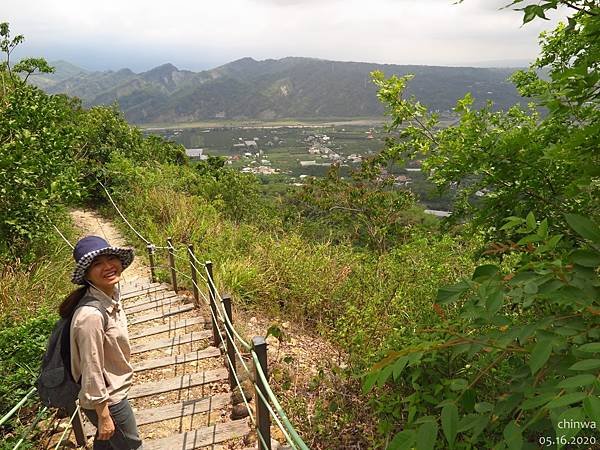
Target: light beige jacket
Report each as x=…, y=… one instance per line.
x=101, y=358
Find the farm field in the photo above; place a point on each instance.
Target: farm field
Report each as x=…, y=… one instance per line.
x=283, y=156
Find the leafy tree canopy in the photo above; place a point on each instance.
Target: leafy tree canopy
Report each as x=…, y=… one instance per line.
x=518, y=353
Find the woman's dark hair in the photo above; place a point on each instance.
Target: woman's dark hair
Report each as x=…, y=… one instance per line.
x=68, y=305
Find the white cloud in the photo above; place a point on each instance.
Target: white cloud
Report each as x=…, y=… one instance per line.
x=199, y=34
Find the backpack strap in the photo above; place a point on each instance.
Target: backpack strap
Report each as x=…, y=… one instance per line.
x=88, y=300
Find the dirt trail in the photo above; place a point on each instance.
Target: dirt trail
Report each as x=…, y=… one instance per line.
x=297, y=357
x=91, y=223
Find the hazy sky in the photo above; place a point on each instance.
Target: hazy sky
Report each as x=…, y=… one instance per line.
x=195, y=35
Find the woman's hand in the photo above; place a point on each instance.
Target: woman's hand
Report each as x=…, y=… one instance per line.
x=106, y=426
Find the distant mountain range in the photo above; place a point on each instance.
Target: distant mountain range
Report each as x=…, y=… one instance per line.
x=271, y=89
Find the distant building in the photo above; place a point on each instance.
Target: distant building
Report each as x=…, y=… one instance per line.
x=438, y=213
x=195, y=153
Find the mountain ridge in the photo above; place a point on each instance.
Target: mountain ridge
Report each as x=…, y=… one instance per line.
x=273, y=88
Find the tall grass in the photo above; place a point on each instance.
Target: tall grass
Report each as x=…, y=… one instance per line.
x=29, y=290
x=362, y=301
x=29, y=296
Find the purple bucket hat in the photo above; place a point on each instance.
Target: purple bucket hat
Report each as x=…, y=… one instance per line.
x=88, y=248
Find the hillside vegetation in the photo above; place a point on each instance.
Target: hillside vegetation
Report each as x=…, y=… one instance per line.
x=271, y=89
x=478, y=332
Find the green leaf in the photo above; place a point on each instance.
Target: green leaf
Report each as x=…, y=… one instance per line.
x=485, y=271
x=427, y=435
x=494, y=302
x=399, y=366
x=586, y=258
x=467, y=422
x=539, y=355
x=448, y=294
x=536, y=402
x=529, y=239
x=450, y=423
x=276, y=332
x=370, y=380
x=542, y=231
x=512, y=222
x=584, y=227
x=484, y=407
x=567, y=399
x=403, y=440
x=513, y=437
x=459, y=384
x=552, y=242
x=592, y=408
x=586, y=364
x=530, y=221
x=577, y=381
x=592, y=347
x=573, y=417
x=479, y=426
x=384, y=375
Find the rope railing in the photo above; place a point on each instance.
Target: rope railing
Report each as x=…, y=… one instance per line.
x=239, y=385
x=293, y=437
x=121, y=214
x=62, y=236
x=284, y=424
x=15, y=408
x=69, y=425
x=242, y=341
x=296, y=438
x=38, y=417
x=219, y=314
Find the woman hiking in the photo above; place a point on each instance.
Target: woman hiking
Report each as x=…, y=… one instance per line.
x=100, y=351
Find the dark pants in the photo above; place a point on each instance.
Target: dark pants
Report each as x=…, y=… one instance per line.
x=126, y=435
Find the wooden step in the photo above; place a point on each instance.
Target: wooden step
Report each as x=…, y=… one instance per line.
x=159, y=314
x=147, y=298
x=127, y=289
x=137, y=285
x=209, y=352
x=174, y=411
x=145, y=291
x=171, y=326
x=172, y=341
x=177, y=383
x=201, y=437
x=154, y=304
x=187, y=408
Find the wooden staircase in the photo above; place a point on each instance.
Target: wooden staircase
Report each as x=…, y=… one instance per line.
x=180, y=392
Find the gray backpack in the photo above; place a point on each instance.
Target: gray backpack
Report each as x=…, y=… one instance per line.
x=56, y=386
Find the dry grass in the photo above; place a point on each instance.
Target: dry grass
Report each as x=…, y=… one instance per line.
x=29, y=290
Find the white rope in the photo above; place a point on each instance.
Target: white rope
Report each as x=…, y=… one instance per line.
x=15, y=408
x=38, y=417
x=67, y=428
x=279, y=424
x=224, y=316
x=276, y=403
x=231, y=365
x=121, y=214
x=62, y=236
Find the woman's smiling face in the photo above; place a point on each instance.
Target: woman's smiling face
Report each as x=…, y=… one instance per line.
x=104, y=272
